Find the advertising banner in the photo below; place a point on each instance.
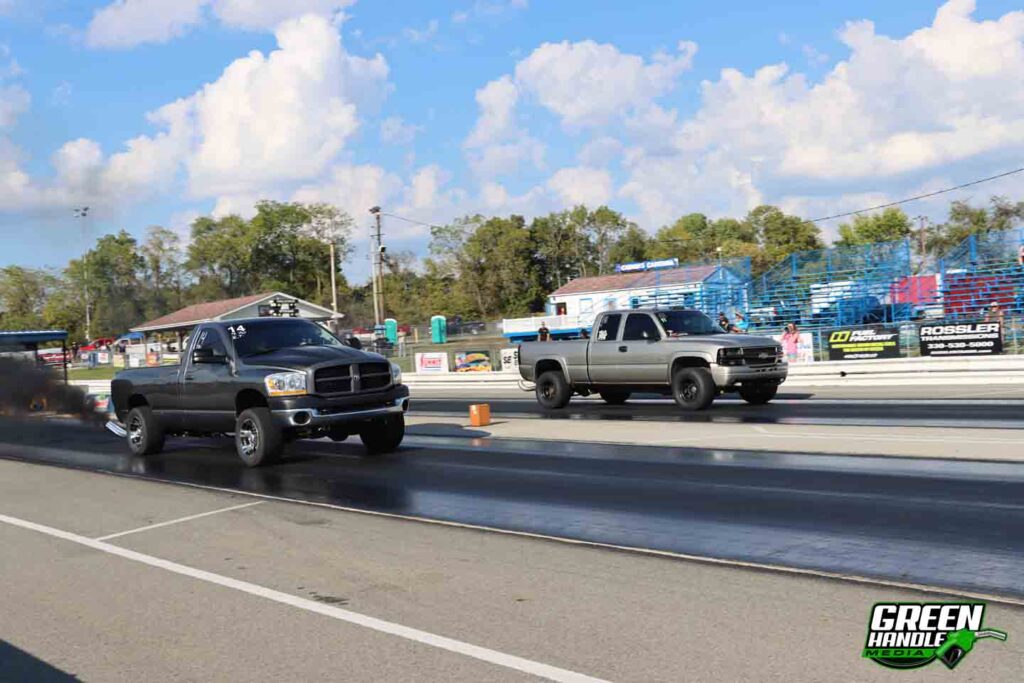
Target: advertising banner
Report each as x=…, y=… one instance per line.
x=510, y=360
x=879, y=341
x=961, y=339
x=802, y=352
x=473, y=361
x=432, y=363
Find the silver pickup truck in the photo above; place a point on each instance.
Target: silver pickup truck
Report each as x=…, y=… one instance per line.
x=677, y=352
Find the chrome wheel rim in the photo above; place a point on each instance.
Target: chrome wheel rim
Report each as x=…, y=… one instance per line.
x=135, y=432
x=248, y=437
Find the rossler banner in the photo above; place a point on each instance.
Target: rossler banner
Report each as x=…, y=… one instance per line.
x=863, y=343
x=961, y=339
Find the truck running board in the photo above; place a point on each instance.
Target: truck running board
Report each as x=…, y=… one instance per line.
x=116, y=428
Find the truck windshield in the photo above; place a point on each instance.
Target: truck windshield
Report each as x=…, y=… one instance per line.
x=266, y=336
x=687, y=323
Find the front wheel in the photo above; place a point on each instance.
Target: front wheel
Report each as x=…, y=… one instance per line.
x=615, y=398
x=758, y=393
x=384, y=434
x=553, y=392
x=693, y=388
x=258, y=440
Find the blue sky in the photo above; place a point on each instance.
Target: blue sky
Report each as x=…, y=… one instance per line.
x=437, y=109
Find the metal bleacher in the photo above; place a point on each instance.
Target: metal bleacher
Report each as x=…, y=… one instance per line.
x=726, y=288
x=983, y=269
x=834, y=287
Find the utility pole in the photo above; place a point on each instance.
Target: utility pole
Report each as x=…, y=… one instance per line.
x=377, y=257
x=82, y=212
x=921, y=242
x=334, y=283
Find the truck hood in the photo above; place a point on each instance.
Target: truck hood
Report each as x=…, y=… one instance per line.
x=303, y=357
x=723, y=341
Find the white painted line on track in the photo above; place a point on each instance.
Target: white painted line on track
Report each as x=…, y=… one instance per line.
x=888, y=436
x=441, y=642
x=177, y=521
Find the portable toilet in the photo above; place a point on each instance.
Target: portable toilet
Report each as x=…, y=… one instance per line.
x=391, y=330
x=439, y=329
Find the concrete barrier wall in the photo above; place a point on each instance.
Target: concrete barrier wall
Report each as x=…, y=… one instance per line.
x=922, y=371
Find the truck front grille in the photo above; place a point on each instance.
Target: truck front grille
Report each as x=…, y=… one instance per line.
x=760, y=356
x=336, y=379
x=374, y=376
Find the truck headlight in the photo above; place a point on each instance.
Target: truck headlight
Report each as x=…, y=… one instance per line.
x=733, y=356
x=396, y=374
x=285, y=384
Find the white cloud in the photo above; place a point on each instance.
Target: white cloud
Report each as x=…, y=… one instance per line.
x=353, y=187
x=423, y=35
x=269, y=123
x=127, y=23
x=894, y=109
x=488, y=8
x=395, y=131
x=14, y=101
x=588, y=83
x=582, y=185
x=496, y=144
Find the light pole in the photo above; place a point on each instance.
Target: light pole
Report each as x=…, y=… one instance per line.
x=377, y=259
x=82, y=212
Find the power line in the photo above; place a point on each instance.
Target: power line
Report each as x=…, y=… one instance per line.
x=823, y=218
x=915, y=198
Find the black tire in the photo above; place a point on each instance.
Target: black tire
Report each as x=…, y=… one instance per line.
x=337, y=434
x=145, y=435
x=384, y=434
x=693, y=388
x=258, y=439
x=615, y=398
x=758, y=393
x=553, y=392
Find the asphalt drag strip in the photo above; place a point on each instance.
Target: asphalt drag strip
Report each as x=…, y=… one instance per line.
x=799, y=410
x=949, y=524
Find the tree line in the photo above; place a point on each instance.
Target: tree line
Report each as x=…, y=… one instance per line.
x=477, y=267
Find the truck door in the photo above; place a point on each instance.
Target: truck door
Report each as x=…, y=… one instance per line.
x=205, y=400
x=641, y=357
x=604, y=355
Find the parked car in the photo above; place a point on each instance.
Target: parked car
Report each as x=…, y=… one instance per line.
x=682, y=353
x=267, y=381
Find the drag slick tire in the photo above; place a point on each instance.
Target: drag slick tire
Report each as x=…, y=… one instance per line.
x=258, y=440
x=553, y=392
x=758, y=393
x=383, y=434
x=693, y=388
x=145, y=435
x=615, y=398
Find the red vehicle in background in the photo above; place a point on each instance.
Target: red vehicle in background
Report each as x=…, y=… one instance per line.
x=97, y=344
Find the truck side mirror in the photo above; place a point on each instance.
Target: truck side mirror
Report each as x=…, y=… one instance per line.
x=206, y=356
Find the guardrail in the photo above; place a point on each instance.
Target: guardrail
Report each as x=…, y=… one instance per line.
x=921, y=371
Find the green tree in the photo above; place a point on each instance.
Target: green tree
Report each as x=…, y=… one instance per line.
x=780, y=235
x=111, y=273
x=23, y=293
x=163, y=272
x=634, y=245
x=889, y=225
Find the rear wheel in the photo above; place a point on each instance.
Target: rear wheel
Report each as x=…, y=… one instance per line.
x=693, y=388
x=258, y=440
x=383, y=434
x=758, y=393
x=145, y=435
x=615, y=398
x=552, y=390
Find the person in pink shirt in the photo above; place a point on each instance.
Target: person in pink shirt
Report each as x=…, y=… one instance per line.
x=790, y=342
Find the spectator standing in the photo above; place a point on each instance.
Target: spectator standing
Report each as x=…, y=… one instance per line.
x=723, y=322
x=543, y=333
x=791, y=342
x=1020, y=255
x=741, y=326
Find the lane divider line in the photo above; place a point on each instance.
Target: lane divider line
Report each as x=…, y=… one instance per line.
x=177, y=521
x=527, y=666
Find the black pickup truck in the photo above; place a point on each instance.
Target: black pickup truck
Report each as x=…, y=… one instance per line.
x=267, y=381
